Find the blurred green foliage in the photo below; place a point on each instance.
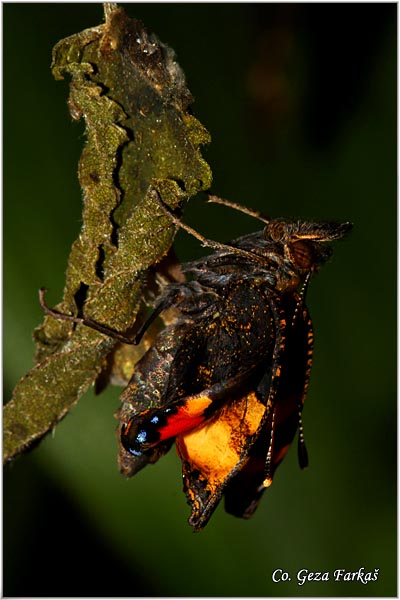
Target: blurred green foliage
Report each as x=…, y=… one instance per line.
x=300, y=101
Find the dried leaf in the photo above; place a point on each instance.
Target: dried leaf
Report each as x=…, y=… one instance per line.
x=140, y=139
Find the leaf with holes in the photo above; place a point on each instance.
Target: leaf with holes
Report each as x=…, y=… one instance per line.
x=141, y=143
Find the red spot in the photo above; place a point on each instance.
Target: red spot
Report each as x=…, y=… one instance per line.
x=188, y=416
x=180, y=422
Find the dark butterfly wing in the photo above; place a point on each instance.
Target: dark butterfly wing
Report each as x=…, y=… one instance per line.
x=244, y=491
x=213, y=454
x=148, y=388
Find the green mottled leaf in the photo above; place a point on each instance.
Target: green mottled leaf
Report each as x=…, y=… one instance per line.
x=132, y=95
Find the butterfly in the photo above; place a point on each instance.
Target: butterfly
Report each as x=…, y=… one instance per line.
x=226, y=380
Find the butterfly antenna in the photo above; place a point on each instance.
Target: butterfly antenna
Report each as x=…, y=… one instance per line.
x=301, y=445
x=301, y=298
x=256, y=214
x=205, y=241
x=268, y=461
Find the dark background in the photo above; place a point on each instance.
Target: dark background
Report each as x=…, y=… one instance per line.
x=300, y=100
